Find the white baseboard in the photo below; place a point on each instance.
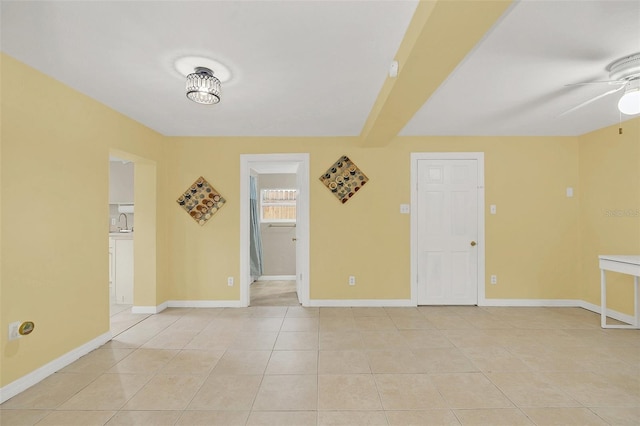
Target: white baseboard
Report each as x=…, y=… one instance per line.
x=610, y=312
x=364, y=303
x=186, y=304
x=204, y=304
x=277, y=278
x=149, y=309
x=560, y=303
x=237, y=304
x=28, y=380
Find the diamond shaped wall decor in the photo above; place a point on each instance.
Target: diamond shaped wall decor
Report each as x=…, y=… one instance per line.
x=344, y=179
x=201, y=201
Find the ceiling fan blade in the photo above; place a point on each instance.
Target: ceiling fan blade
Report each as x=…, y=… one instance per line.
x=610, y=92
x=597, y=82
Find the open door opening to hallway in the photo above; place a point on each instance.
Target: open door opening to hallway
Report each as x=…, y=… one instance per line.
x=274, y=230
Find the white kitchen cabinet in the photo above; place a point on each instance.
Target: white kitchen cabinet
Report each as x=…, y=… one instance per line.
x=122, y=272
x=112, y=270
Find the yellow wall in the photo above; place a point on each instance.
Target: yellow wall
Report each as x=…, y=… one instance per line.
x=610, y=209
x=532, y=244
x=55, y=174
x=55, y=165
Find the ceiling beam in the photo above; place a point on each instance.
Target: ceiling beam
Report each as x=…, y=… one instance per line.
x=440, y=35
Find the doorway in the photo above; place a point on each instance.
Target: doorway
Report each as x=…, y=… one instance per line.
x=121, y=225
x=447, y=228
x=273, y=228
x=134, y=256
x=297, y=166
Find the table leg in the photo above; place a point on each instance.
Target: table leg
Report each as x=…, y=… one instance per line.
x=635, y=301
x=603, y=299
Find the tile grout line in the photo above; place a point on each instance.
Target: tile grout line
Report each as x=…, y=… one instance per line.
x=593, y=367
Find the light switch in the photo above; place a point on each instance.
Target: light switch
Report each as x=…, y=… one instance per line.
x=405, y=208
x=569, y=192
x=493, y=209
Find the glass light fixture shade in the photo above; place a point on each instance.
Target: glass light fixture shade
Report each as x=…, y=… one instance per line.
x=629, y=103
x=203, y=87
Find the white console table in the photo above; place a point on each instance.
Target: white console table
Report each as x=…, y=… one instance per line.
x=624, y=264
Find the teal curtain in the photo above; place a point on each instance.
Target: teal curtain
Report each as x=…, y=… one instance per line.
x=256, y=240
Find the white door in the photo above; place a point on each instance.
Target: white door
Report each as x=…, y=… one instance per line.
x=447, y=232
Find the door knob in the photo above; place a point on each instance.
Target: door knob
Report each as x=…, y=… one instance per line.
x=473, y=243
x=294, y=239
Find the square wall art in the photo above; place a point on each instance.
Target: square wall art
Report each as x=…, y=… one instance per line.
x=344, y=179
x=201, y=201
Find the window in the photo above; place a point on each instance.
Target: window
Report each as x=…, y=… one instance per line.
x=278, y=205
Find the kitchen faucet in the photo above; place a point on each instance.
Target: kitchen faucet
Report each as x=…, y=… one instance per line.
x=126, y=225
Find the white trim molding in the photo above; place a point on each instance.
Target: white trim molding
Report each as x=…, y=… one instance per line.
x=364, y=303
x=558, y=303
x=152, y=310
x=149, y=309
x=629, y=319
x=204, y=304
x=276, y=278
x=39, y=374
x=532, y=303
x=330, y=303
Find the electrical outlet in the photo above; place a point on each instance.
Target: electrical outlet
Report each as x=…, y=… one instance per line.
x=352, y=280
x=494, y=279
x=14, y=328
x=113, y=221
x=230, y=281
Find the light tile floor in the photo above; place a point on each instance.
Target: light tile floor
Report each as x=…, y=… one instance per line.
x=122, y=318
x=273, y=293
x=348, y=366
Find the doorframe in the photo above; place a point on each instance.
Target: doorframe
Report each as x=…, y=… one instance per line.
x=302, y=220
x=145, y=262
x=417, y=156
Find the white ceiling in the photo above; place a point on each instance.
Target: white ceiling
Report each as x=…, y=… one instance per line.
x=513, y=83
x=299, y=68
x=315, y=68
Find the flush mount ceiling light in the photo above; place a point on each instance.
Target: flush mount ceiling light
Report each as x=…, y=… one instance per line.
x=629, y=103
x=203, y=87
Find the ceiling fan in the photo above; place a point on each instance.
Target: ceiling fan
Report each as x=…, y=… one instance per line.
x=625, y=74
